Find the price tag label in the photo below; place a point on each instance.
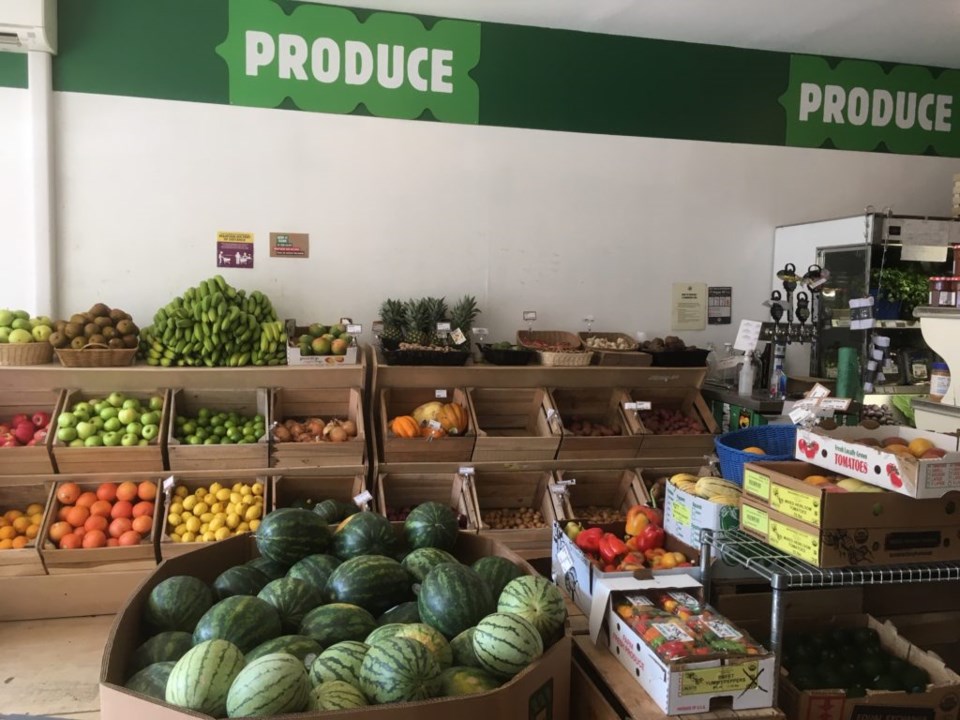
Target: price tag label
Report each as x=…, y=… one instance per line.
x=354, y=329
x=434, y=425
x=443, y=327
x=529, y=315
x=567, y=482
x=835, y=404
x=731, y=362
x=378, y=326
x=346, y=321
x=480, y=332
x=467, y=470
x=638, y=406
x=563, y=559
x=168, y=484
x=748, y=336
x=558, y=489
x=363, y=498
x=802, y=416
x=458, y=337
x=440, y=394
x=817, y=391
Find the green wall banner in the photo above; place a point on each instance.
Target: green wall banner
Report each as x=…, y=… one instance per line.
x=305, y=56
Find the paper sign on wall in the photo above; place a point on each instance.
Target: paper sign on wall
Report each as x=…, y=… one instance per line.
x=720, y=305
x=689, y=306
x=235, y=250
x=295, y=245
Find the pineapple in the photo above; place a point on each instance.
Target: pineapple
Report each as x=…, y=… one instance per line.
x=464, y=313
x=393, y=313
x=438, y=313
x=417, y=330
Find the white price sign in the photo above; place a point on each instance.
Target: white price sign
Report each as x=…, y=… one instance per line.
x=638, y=406
x=363, y=498
x=354, y=329
x=748, y=336
x=440, y=394
x=529, y=315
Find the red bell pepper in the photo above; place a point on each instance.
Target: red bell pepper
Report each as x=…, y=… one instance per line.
x=651, y=537
x=611, y=548
x=632, y=561
x=589, y=540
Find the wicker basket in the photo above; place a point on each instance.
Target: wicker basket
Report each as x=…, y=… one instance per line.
x=534, y=339
x=96, y=355
x=35, y=353
x=564, y=359
x=612, y=337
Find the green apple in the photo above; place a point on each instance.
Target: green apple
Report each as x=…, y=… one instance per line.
x=97, y=423
x=94, y=402
x=108, y=412
x=41, y=333
x=43, y=320
x=116, y=399
x=21, y=324
x=156, y=402
x=93, y=441
x=76, y=442
x=129, y=440
x=112, y=439
x=135, y=428
x=20, y=336
x=4, y=335
x=21, y=315
x=81, y=415
x=6, y=318
x=150, y=431
x=150, y=418
x=67, y=420
x=128, y=415
x=143, y=442
x=131, y=403
x=67, y=434
x=85, y=429
x=99, y=406
x=83, y=407
x=112, y=425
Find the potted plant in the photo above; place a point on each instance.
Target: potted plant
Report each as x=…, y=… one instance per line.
x=906, y=288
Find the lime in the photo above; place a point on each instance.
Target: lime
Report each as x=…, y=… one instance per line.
x=886, y=682
x=870, y=667
x=865, y=636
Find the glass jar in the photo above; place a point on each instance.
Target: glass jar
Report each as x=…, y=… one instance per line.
x=939, y=380
x=943, y=291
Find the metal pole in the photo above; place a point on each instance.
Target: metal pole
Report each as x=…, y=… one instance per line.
x=705, y=548
x=776, y=629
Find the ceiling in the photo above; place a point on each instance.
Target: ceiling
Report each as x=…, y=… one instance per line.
x=924, y=32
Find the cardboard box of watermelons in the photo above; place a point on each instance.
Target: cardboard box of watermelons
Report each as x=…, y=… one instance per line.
x=540, y=691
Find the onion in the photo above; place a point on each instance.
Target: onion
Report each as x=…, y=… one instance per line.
x=350, y=427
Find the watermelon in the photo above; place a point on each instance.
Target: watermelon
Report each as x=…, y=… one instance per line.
x=291, y=534
x=536, y=599
x=271, y=569
x=270, y=685
x=239, y=580
x=505, y=644
x=152, y=680
x=292, y=599
x=399, y=670
x=339, y=662
x=243, y=620
x=403, y=613
x=365, y=533
x=333, y=511
x=300, y=646
x=453, y=598
x=462, y=647
x=315, y=570
x=422, y=560
x=170, y=645
x=374, y=582
x=466, y=681
x=201, y=679
x=333, y=623
x=497, y=572
x=336, y=695
x=431, y=524
x=431, y=639
x=383, y=632
x=178, y=603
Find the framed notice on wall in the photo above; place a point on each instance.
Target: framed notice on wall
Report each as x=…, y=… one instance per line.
x=689, y=306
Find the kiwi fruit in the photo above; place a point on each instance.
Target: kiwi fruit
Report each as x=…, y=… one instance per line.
x=97, y=339
x=109, y=332
x=72, y=330
x=130, y=341
x=58, y=339
x=126, y=327
x=99, y=310
x=79, y=319
x=103, y=321
x=60, y=325
x=78, y=343
x=115, y=343
x=117, y=315
x=90, y=329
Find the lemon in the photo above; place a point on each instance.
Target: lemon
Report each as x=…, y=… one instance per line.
x=258, y=488
x=180, y=529
x=222, y=534
x=174, y=519
x=34, y=508
x=215, y=488
x=233, y=520
x=209, y=499
x=200, y=492
x=189, y=537
x=223, y=494
x=181, y=491
x=207, y=517
x=254, y=524
x=189, y=502
x=200, y=508
x=217, y=523
x=246, y=490
x=246, y=501
x=253, y=513
x=33, y=530
x=209, y=536
x=235, y=497
x=217, y=507
x=236, y=487
x=243, y=527
x=204, y=528
x=193, y=524
x=37, y=518
x=176, y=537
x=176, y=508
x=231, y=508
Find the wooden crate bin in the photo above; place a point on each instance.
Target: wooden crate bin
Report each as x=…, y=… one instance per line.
x=403, y=401
x=596, y=405
x=326, y=404
x=25, y=560
x=398, y=490
x=166, y=546
x=685, y=399
x=247, y=402
x=341, y=484
x=104, y=559
x=511, y=490
x=513, y=424
x=651, y=475
x=35, y=459
x=616, y=489
x=100, y=460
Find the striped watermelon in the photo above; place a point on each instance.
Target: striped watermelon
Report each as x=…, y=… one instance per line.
x=536, y=599
x=365, y=533
x=374, y=582
x=292, y=599
x=170, y=645
x=270, y=685
x=178, y=603
x=431, y=524
x=333, y=511
x=300, y=646
x=505, y=644
x=152, y=680
x=315, y=570
x=201, y=679
x=403, y=613
x=271, y=569
x=431, y=639
x=453, y=598
x=336, y=695
x=399, y=670
x=383, y=632
x=497, y=571
x=243, y=620
x=291, y=534
x=422, y=560
x=239, y=580
x=462, y=647
x=466, y=681
x=339, y=662
x=333, y=623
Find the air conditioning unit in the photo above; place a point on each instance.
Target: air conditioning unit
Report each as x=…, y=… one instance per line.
x=28, y=25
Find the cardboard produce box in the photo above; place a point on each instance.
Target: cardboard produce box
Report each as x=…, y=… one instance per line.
x=686, y=514
x=838, y=529
x=99, y=460
x=840, y=452
x=326, y=404
x=395, y=402
x=500, y=492
x=342, y=484
x=295, y=357
x=35, y=459
x=396, y=491
x=540, y=691
x=596, y=406
x=16, y=562
x=247, y=403
x=514, y=424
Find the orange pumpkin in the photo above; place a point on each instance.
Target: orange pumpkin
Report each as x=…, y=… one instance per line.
x=453, y=418
x=432, y=432
x=405, y=426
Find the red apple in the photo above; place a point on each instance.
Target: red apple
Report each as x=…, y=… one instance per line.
x=933, y=454
x=24, y=432
x=21, y=418
x=41, y=419
x=41, y=435
x=33, y=441
x=8, y=439
x=4, y=428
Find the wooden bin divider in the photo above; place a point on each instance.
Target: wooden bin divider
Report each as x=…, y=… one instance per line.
x=100, y=460
x=513, y=424
x=248, y=402
x=35, y=459
x=402, y=401
x=516, y=489
x=103, y=559
x=343, y=484
x=324, y=403
x=398, y=490
x=26, y=560
x=598, y=405
x=616, y=489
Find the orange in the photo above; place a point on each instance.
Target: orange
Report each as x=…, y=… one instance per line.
x=107, y=491
x=144, y=507
x=131, y=537
x=143, y=524
x=96, y=522
x=755, y=451
x=86, y=499
x=147, y=490
x=68, y=493
x=122, y=509
x=3, y=522
x=34, y=509
x=33, y=531
x=119, y=526
x=112, y=542
x=6, y=544
x=7, y=533
x=101, y=508
x=21, y=524
x=816, y=480
x=11, y=515
x=94, y=539
x=59, y=529
x=20, y=542
x=70, y=542
x=919, y=446
x=127, y=491
x=78, y=516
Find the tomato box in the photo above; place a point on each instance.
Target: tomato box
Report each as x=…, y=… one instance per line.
x=397, y=402
x=686, y=514
x=18, y=561
x=325, y=404
x=514, y=424
x=23, y=459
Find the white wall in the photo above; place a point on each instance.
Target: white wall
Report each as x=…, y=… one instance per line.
x=565, y=224
x=16, y=240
